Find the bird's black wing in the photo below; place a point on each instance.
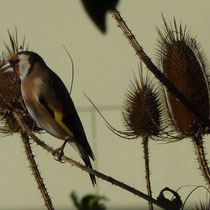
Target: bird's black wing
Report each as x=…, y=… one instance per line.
x=59, y=103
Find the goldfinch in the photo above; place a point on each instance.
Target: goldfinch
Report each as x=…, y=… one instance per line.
x=49, y=103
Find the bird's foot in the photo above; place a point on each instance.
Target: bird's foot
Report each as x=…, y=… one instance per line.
x=59, y=152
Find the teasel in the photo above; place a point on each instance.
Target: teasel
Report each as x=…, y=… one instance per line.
x=10, y=94
x=203, y=205
x=142, y=110
x=183, y=62
x=12, y=109
x=143, y=116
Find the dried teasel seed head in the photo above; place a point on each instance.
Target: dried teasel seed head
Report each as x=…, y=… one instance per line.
x=142, y=110
x=204, y=205
x=182, y=61
x=10, y=94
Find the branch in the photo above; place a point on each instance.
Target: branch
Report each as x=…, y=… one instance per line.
x=201, y=157
x=36, y=172
x=147, y=169
x=84, y=168
x=158, y=74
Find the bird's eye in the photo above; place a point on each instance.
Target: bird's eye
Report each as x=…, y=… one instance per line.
x=14, y=62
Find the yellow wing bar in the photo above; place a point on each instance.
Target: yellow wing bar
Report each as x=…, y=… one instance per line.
x=58, y=119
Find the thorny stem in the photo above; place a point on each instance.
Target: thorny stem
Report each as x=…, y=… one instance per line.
x=87, y=169
x=35, y=171
x=203, y=163
x=147, y=169
x=159, y=75
x=170, y=86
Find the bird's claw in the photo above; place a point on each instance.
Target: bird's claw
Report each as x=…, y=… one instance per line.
x=58, y=153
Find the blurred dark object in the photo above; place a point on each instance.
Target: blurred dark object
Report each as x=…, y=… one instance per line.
x=97, y=10
x=88, y=202
x=173, y=204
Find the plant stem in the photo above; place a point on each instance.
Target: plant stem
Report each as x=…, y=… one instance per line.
x=203, y=163
x=147, y=169
x=87, y=169
x=158, y=74
x=35, y=171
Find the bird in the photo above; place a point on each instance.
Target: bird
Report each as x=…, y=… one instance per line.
x=49, y=103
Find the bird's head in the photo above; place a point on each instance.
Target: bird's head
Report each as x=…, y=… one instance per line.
x=22, y=63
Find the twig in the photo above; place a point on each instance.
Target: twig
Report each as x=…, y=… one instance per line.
x=159, y=75
x=87, y=169
x=147, y=169
x=203, y=163
x=36, y=172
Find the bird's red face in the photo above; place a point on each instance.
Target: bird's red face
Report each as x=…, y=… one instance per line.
x=12, y=65
x=14, y=62
x=18, y=63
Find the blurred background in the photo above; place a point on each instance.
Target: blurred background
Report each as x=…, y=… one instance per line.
x=104, y=65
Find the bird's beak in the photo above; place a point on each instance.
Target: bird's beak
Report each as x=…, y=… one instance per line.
x=7, y=68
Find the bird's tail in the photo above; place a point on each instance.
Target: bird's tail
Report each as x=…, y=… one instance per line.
x=85, y=157
x=88, y=164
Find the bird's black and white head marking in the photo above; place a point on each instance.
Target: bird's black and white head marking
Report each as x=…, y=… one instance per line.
x=23, y=62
